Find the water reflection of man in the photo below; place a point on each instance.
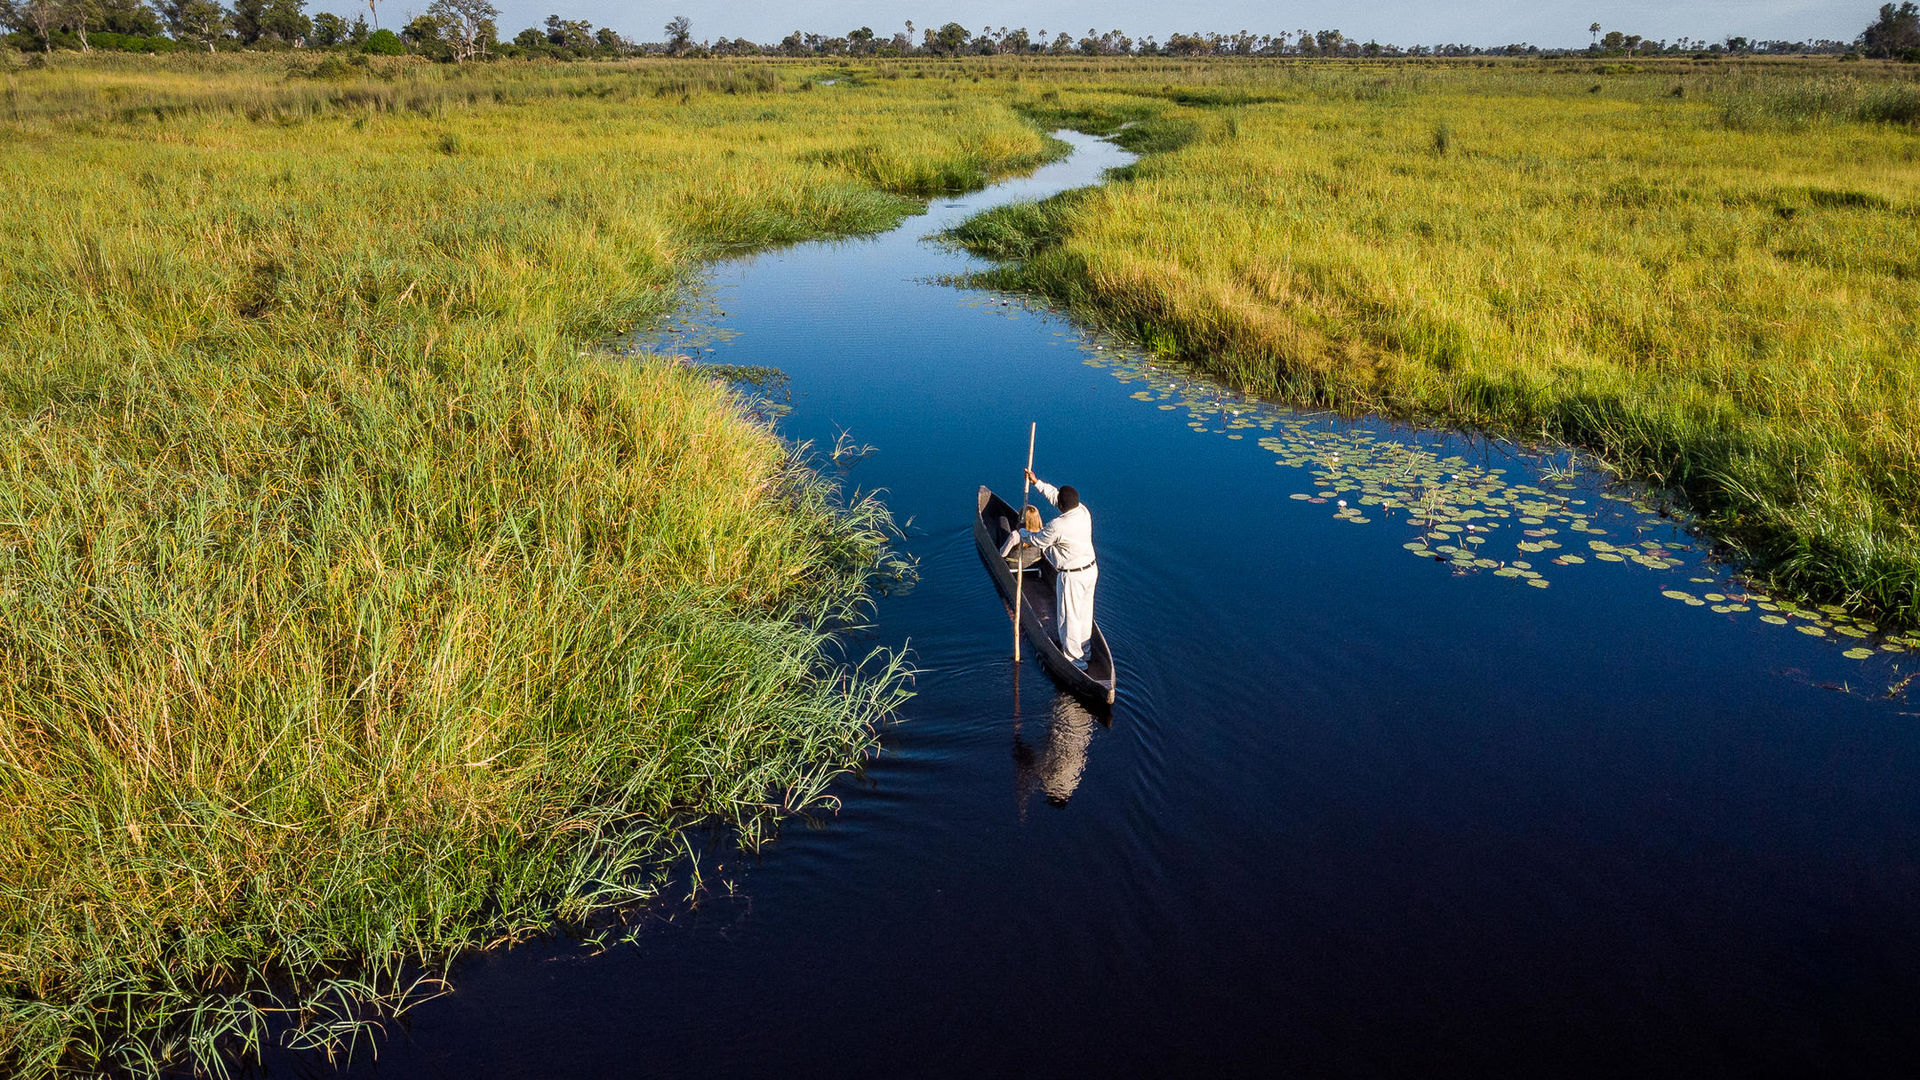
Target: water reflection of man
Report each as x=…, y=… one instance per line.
x=1056, y=767
x=1068, y=543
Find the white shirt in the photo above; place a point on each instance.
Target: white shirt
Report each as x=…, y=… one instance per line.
x=1067, y=539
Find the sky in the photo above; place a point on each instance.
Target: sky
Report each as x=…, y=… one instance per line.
x=1546, y=23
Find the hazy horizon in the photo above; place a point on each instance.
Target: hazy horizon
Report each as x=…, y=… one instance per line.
x=1552, y=23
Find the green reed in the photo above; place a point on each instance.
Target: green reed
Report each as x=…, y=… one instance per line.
x=1713, y=288
x=354, y=611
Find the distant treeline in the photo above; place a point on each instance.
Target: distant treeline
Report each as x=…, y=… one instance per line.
x=467, y=29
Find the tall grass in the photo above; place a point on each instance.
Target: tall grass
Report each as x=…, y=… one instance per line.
x=288, y=86
x=352, y=610
x=1729, y=308
x=1795, y=104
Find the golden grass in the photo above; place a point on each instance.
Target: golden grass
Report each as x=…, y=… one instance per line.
x=352, y=611
x=1697, y=273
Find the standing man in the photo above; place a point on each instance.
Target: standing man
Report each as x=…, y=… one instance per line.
x=1068, y=543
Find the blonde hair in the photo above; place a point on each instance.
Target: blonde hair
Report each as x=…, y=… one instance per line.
x=1030, y=518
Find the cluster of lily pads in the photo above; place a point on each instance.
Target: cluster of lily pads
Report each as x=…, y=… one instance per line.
x=1825, y=620
x=1468, y=515
x=695, y=330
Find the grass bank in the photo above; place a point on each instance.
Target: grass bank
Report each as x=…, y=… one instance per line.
x=352, y=611
x=1704, y=271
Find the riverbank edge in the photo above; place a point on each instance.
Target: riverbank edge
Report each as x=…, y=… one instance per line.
x=1746, y=524
x=196, y=1003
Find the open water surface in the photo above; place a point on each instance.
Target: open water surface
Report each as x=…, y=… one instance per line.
x=1359, y=812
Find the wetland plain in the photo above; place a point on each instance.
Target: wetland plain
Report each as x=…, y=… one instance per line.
x=385, y=576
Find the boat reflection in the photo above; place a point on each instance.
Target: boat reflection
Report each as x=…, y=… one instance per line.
x=1053, y=763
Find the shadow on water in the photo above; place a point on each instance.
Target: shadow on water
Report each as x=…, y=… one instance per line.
x=1419, y=765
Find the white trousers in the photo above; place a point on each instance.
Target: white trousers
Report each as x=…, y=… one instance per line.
x=1073, y=600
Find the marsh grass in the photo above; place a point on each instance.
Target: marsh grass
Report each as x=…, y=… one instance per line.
x=1792, y=105
x=1716, y=290
x=286, y=87
x=353, y=610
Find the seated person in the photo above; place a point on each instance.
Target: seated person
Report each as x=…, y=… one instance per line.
x=1029, y=552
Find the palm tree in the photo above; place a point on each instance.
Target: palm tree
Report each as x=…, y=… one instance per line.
x=679, y=34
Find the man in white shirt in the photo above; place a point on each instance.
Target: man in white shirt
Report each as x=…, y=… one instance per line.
x=1068, y=543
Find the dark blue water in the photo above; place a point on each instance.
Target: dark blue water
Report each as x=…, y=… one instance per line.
x=1359, y=812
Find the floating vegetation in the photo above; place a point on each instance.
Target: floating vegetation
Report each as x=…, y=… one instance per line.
x=1470, y=515
x=766, y=394
x=695, y=330
x=755, y=377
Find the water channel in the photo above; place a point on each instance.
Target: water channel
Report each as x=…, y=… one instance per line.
x=1543, y=791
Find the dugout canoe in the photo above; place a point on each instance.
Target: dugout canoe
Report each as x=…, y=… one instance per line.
x=1038, y=620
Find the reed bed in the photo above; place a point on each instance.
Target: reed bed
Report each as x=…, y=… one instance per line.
x=353, y=610
x=1703, y=272
x=291, y=86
